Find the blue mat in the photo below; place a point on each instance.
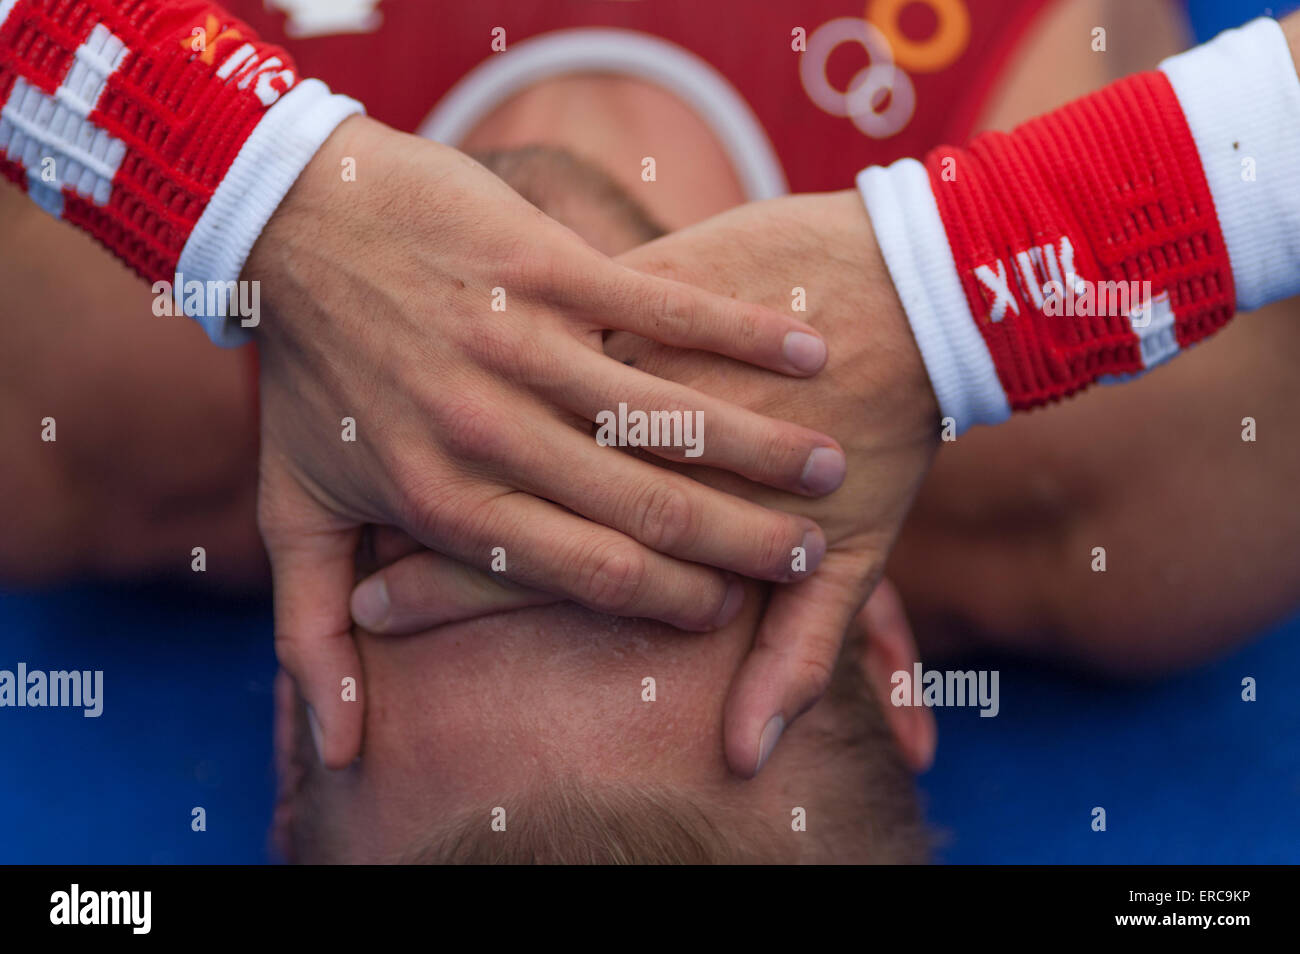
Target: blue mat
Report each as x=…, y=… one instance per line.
x=186, y=723
x=1186, y=771
x=1209, y=17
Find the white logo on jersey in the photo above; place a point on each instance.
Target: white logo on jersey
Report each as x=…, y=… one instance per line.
x=324, y=17
x=40, y=131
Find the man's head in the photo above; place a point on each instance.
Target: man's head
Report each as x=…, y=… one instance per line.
x=554, y=734
x=576, y=192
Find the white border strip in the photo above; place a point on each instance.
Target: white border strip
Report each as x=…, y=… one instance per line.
x=268, y=164
x=623, y=52
x=915, y=247
x=1241, y=97
x=6, y=8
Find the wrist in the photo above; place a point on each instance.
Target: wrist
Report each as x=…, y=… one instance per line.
x=880, y=335
x=1098, y=241
x=914, y=244
x=308, y=214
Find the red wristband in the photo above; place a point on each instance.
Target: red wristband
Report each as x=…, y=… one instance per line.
x=134, y=110
x=1092, y=201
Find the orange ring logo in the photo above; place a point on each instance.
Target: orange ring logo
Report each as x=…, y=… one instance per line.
x=936, y=51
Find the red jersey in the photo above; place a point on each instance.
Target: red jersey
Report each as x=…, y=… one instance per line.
x=829, y=86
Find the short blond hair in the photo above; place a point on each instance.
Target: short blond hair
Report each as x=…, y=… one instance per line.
x=573, y=822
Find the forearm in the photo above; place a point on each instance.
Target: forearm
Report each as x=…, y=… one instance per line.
x=154, y=431
x=1193, y=518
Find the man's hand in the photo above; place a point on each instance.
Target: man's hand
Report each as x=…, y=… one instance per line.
x=874, y=395
x=431, y=360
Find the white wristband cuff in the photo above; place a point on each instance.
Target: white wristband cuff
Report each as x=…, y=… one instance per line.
x=267, y=165
x=915, y=247
x=1241, y=97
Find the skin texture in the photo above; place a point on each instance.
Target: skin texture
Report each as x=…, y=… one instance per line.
x=498, y=711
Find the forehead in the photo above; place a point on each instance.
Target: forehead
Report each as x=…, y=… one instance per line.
x=480, y=707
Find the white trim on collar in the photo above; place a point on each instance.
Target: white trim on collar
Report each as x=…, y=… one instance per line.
x=622, y=52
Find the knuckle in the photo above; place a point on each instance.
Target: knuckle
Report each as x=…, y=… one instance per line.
x=678, y=311
x=472, y=430
x=777, y=455
x=773, y=552
x=290, y=650
x=533, y=270
x=496, y=344
x=611, y=576
x=440, y=513
x=666, y=519
x=813, y=677
x=535, y=366
x=744, y=325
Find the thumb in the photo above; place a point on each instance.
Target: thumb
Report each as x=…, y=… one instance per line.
x=427, y=589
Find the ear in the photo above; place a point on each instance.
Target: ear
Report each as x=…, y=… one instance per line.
x=289, y=771
x=887, y=648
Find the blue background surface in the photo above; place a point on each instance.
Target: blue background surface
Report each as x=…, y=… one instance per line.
x=1209, y=17
x=186, y=722
x=1186, y=771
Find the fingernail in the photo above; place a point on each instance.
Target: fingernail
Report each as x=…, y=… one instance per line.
x=805, y=352
x=767, y=741
x=316, y=734
x=370, y=603
x=731, y=605
x=824, y=471
x=814, y=548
